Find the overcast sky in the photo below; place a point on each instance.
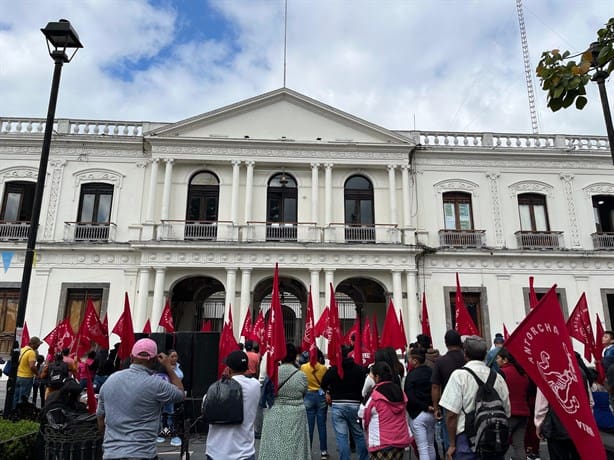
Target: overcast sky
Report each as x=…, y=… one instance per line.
x=446, y=65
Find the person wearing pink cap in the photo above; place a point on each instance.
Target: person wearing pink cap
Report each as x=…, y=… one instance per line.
x=130, y=403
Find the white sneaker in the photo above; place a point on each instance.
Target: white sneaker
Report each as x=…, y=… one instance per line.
x=176, y=441
x=160, y=439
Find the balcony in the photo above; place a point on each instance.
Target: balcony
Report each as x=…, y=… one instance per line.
x=462, y=238
x=302, y=232
x=603, y=240
x=16, y=231
x=378, y=233
x=197, y=230
x=539, y=240
x=89, y=231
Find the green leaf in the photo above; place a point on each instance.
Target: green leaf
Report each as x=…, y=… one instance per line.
x=581, y=102
x=555, y=104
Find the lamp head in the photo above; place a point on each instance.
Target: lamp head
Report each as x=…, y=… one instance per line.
x=60, y=36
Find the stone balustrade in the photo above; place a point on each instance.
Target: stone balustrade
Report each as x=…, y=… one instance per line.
x=28, y=126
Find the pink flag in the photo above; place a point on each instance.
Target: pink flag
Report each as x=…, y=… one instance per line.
x=147, y=327
x=464, y=323
x=321, y=328
x=542, y=346
x=392, y=335
x=275, y=334
x=426, y=326
x=309, y=339
x=579, y=327
x=25, y=335
x=246, y=330
x=125, y=330
x=166, y=320
x=334, y=344
x=532, y=296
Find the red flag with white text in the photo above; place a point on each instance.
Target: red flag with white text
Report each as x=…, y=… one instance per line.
x=334, y=344
x=368, y=352
x=259, y=330
x=579, y=327
x=309, y=339
x=92, y=326
x=275, y=336
x=426, y=325
x=166, y=320
x=464, y=322
x=246, y=329
x=62, y=336
x=125, y=330
x=542, y=346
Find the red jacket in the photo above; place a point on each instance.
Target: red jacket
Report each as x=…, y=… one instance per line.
x=385, y=419
x=518, y=386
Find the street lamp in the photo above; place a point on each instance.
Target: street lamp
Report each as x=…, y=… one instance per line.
x=600, y=77
x=60, y=37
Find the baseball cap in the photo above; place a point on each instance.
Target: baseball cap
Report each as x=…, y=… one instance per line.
x=498, y=338
x=237, y=361
x=145, y=348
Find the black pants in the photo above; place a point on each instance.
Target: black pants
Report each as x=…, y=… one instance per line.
x=562, y=449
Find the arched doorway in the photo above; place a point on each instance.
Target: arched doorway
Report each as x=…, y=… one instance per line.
x=198, y=299
x=366, y=297
x=293, y=297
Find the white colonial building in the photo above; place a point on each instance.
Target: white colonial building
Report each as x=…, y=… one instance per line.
x=201, y=210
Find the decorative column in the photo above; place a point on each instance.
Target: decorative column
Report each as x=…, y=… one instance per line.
x=406, y=197
x=315, y=293
x=329, y=278
x=234, y=199
x=397, y=290
x=571, y=209
x=249, y=190
x=141, y=301
x=328, y=193
x=166, y=193
x=510, y=315
x=413, y=306
x=392, y=189
x=493, y=179
x=158, y=298
x=246, y=277
x=151, y=198
x=231, y=282
x=314, y=192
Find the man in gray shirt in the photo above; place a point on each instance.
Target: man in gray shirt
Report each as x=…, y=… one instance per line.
x=130, y=402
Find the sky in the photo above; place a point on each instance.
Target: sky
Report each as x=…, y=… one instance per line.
x=429, y=65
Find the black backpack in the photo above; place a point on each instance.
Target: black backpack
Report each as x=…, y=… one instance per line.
x=223, y=403
x=487, y=426
x=57, y=374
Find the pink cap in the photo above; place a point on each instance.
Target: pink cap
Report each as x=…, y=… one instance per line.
x=145, y=348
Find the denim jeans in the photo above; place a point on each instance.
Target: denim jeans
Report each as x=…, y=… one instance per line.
x=464, y=452
x=316, y=407
x=442, y=431
x=23, y=387
x=423, y=428
x=345, y=418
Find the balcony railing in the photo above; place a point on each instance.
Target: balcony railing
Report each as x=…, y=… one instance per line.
x=197, y=230
x=14, y=230
x=462, y=238
x=377, y=233
x=89, y=231
x=539, y=240
x=303, y=232
x=360, y=234
x=276, y=231
x=603, y=240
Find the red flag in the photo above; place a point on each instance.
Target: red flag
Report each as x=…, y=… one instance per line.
x=92, y=402
x=358, y=347
x=506, y=334
x=125, y=330
x=426, y=326
x=542, y=346
x=246, y=330
x=92, y=329
x=105, y=326
x=368, y=352
x=166, y=320
x=464, y=323
x=321, y=327
x=532, y=296
x=599, y=349
x=147, y=327
x=375, y=338
x=206, y=326
x=25, y=335
x=61, y=337
x=227, y=344
x=309, y=339
x=334, y=343
x=402, y=330
x=392, y=335
x=579, y=327
x=275, y=334
x=347, y=338
x=259, y=331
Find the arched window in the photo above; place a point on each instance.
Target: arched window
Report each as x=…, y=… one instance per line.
x=457, y=212
x=202, y=206
x=281, y=208
x=359, y=215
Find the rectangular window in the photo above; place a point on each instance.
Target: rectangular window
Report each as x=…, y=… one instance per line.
x=473, y=303
x=533, y=212
x=9, y=299
x=17, y=202
x=457, y=212
x=76, y=303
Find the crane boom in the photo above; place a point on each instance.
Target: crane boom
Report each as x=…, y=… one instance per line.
x=527, y=67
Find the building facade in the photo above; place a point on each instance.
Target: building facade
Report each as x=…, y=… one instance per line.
x=199, y=211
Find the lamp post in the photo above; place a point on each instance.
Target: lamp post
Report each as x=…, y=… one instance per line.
x=600, y=77
x=60, y=36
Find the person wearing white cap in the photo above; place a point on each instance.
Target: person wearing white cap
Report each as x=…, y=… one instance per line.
x=130, y=402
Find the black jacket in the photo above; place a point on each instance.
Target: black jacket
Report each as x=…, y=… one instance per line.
x=418, y=390
x=348, y=389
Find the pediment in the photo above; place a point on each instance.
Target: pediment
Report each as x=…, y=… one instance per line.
x=281, y=115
